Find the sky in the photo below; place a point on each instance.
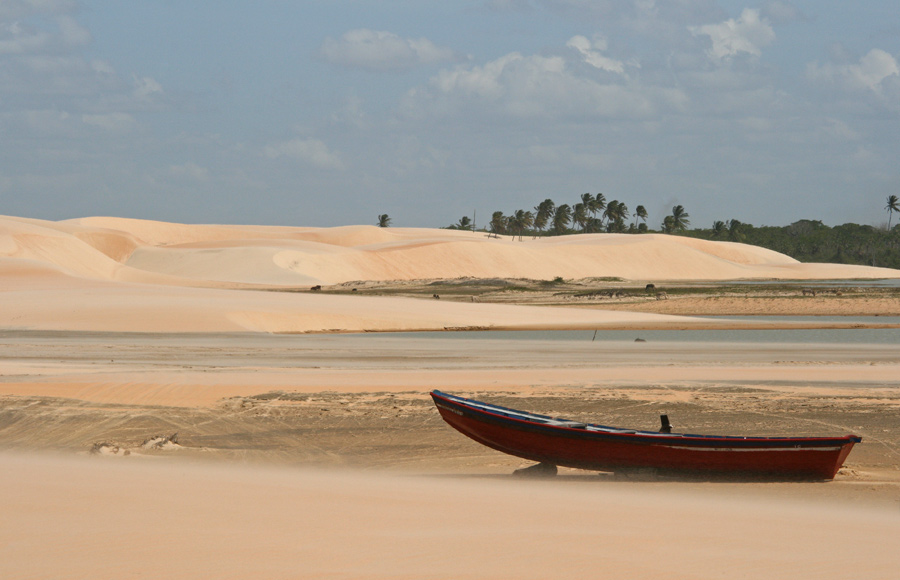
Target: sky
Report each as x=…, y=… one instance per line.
x=331, y=112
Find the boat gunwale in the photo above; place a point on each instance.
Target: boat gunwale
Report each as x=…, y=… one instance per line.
x=581, y=430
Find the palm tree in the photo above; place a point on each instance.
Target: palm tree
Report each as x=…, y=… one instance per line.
x=590, y=203
x=580, y=215
x=526, y=219
x=610, y=212
x=718, y=229
x=520, y=221
x=668, y=225
x=384, y=220
x=640, y=213
x=680, y=218
x=591, y=206
x=616, y=213
x=623, y=215
x=893, y=204
x=735, y=231
x=543, y=212
x=561, y=218
x=498, y=223
x=593, y=225
x=599, y=203
x=512, y=225
x=464, y=223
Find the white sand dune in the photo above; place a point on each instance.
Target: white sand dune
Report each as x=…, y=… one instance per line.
x=120, y=249
x=105, y=273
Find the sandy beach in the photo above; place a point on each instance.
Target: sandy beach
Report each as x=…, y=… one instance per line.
x=177, y=400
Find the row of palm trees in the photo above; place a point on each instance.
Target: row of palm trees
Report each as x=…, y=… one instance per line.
x=612, y=219
x=591, y=215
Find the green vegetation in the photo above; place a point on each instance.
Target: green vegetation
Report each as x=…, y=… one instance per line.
x=554, y=282
x=813, y=241
x=464, y=223
x=804, y=240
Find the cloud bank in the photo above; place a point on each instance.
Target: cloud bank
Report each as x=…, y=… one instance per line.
x=873, y=72
x=382, y=51
x=311, y=151
x=748, y=34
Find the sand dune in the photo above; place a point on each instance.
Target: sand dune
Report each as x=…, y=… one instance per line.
x=104, y=247
x=335, y=255
x=122, y=274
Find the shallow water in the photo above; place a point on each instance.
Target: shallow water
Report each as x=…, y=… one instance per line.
x=856, y=336
x=768, y=336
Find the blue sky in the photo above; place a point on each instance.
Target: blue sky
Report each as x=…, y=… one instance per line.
x=324, y=113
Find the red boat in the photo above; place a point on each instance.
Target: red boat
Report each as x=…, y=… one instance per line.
x=560, y=442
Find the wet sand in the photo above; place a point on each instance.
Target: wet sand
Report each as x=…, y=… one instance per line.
x=363, y=399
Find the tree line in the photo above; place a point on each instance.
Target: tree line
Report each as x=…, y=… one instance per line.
x=812, y=241
x=804, y=240
x=592, y=214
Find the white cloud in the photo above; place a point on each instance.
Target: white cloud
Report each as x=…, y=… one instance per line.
x=190, y=171
x=380, y=50
x=72, y=33
x=841, y=130
x=12, y=9
x=55, y=67
x=591, y=51
x=779, y=11
x=102, y=68
x=748, y=34
x=18, y=39
x=110, y=121
x=41, y=46
x=646, y=7
x=756, y=124
x=870, y=72
x=21, y=39
x=537, y=86
x=146, y=88
x=311, y=151
x=492, y=80
x=46, y=121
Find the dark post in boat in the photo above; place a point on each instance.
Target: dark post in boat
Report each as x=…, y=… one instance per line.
x=561, y=442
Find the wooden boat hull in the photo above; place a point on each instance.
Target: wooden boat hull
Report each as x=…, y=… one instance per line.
x=600, y=448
